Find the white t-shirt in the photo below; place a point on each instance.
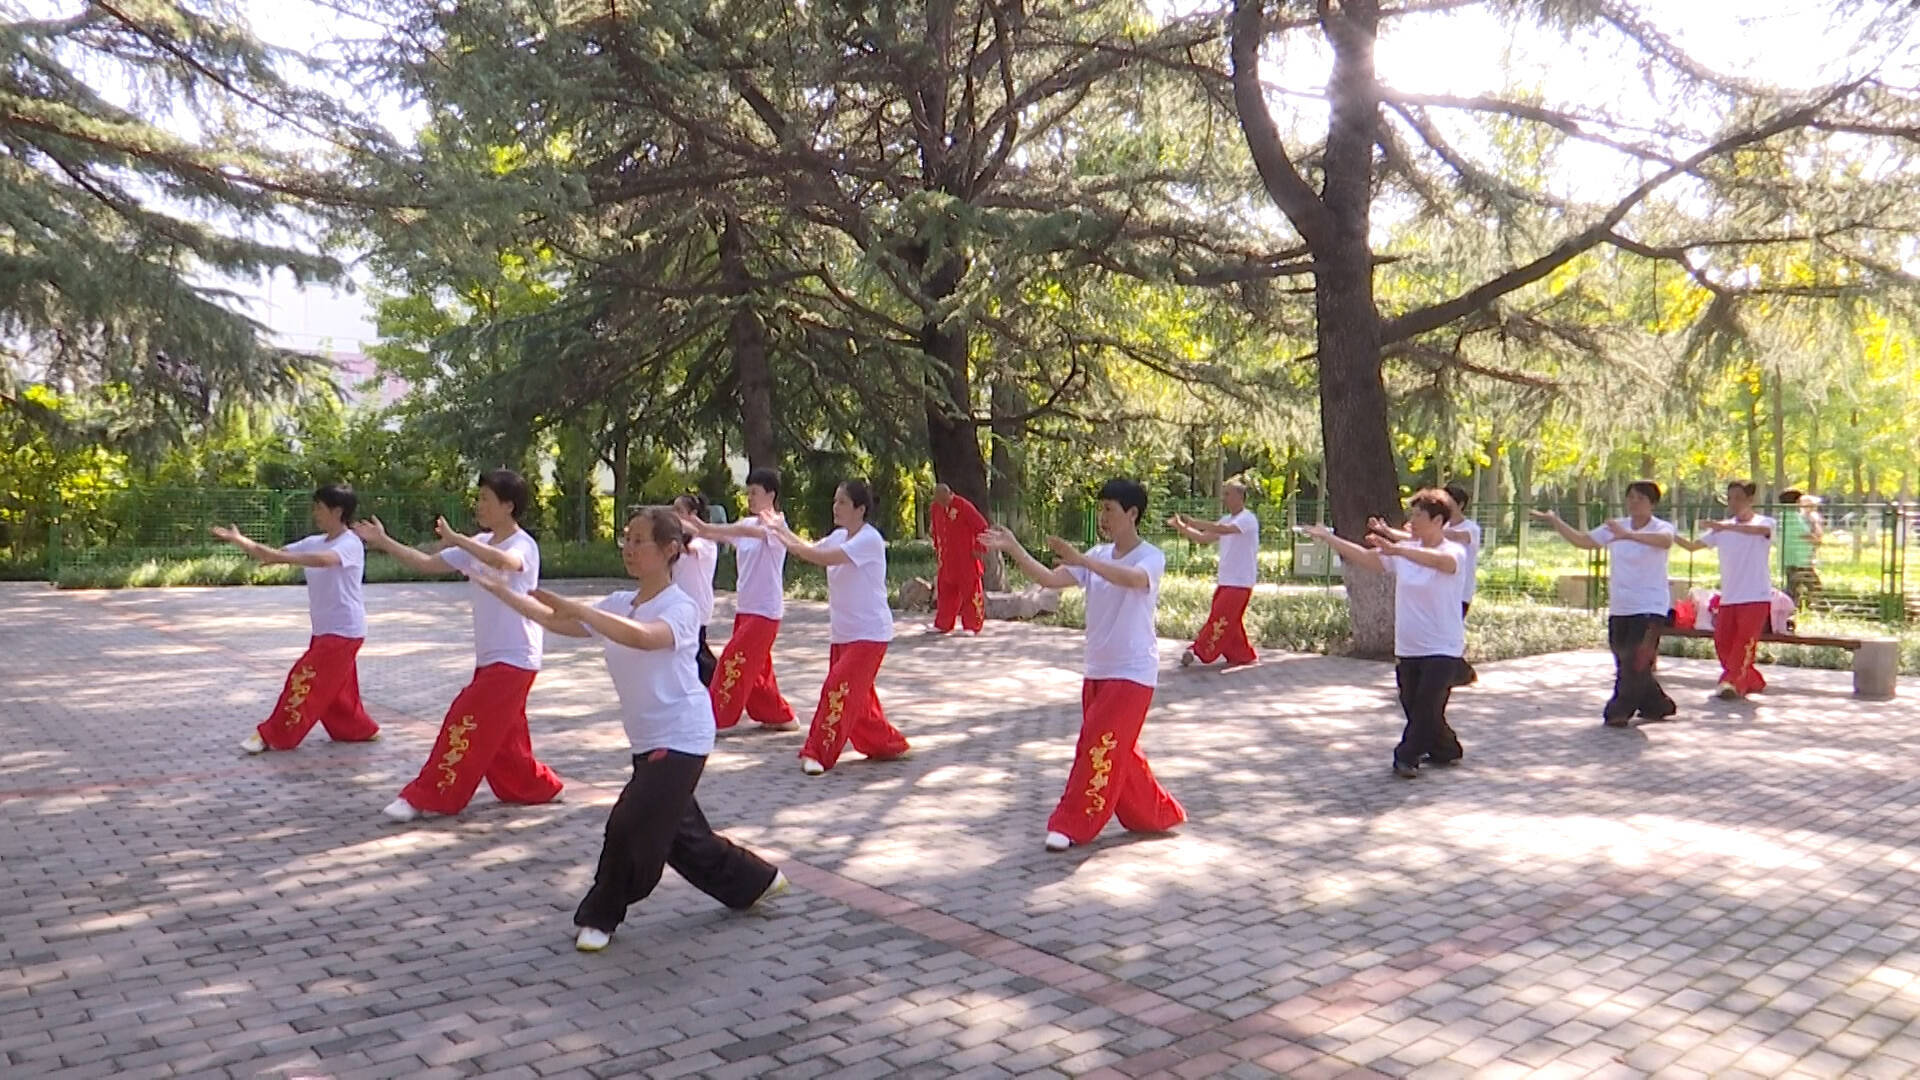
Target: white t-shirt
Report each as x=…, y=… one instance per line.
x=662, y=704
x=500, y=634
x=759, y=580
x=1637, y=580
x=1746, y=562
x=1469, y=573
x=1426, y=605
x=333, y=592
x=693, y=573
x=1240, y=552
x=1121, y=643
x=857, y=591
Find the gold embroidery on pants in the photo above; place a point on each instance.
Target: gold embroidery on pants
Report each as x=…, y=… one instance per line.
x=457, y=747
x=1219, y=629
x=836, y=703
x=299, y=685
x=1102, y=765
x=731, y=669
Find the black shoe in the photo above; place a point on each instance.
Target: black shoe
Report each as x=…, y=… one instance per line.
x=1665, y=712
x=1615, y=721
x=1451, y=757
x=1403, y=771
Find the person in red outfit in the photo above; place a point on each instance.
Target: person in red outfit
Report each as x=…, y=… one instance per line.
x=855, y=555
x=1224, y=634
x=484, y=734
x=324, y=684
x=1110, y=775
x=1745, y=542
x=957, y=589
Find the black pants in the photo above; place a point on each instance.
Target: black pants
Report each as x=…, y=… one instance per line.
x=656, y=824
x=1635, y=641
x=703, y=658
x=1426, y=683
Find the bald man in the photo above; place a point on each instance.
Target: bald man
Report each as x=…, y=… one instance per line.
x=957, y=590
x=1224, y=634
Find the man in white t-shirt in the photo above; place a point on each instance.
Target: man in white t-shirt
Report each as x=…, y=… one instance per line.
x=484, y=734
x=1238, y=534
x=1429, y=625
x=1745, y=543
x=1110, y=774
x=1639, y=602
x=324, y=684
x=743, y=680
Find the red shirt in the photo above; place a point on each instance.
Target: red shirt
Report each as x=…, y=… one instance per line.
x=956, y=526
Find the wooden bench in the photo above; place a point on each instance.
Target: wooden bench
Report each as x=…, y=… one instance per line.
x=1876, y=661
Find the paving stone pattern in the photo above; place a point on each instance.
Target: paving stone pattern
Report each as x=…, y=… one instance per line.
x=1731, y=894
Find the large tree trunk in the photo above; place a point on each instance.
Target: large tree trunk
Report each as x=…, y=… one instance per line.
x=953, y=440
x=1004, y=492
x=747, y=342
x=622, y=452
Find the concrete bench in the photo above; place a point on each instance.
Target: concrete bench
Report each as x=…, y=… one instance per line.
x=1876, y=661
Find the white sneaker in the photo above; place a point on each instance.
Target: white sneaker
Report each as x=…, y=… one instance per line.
x=780, y=886
x=402, y=810
x=253, y=744
x=791, y=725
x=811, y=767
x=591, y=940
x=1058, y=842
x=1187, y=659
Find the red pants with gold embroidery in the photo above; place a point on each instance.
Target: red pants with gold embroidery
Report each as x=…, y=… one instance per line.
x=849, y=709
x=484, y=736
x=743, y=679
x=324, y=688
x=1110, y=775
x=1736, y=640
x=1225, y=631
x=958, y=592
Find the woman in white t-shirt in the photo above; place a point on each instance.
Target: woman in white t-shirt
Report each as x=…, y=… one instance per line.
x=648, y=636
x=855, y=555
x=693, y=572
x=743, y=681
x=1110, y=774
x=1238, y=534
x=1745, y=542
x=1639, y=602
x=323, y=686
x=1429, y=626
x=484, y=735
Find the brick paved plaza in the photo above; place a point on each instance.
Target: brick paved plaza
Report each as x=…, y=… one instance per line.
x=1731, y=894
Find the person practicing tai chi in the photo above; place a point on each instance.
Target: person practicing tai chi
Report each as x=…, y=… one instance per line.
x=1110, y=774
x=1429, y=625
x=1639, y=603
x=958, y=588
x=1238, y=534
x=484, y=734
x=743, y=680
x=693, y=572
x=1745, y=543
x=861, y=623
x=649, y=637
x=1464, y=531
x=324, y=684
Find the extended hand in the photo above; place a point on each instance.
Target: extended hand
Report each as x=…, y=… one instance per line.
x=1378, y=542
x=1712, y=525
x=1000, y=538
x=370, y=531
x=229, y=533
x=1318, y=532
x=443, y=530
x=1543, y=515
x=1065, y=552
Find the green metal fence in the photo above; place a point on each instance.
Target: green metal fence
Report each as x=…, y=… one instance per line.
x=171, y=523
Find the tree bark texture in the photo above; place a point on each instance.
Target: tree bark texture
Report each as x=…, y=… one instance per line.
x=747, y=342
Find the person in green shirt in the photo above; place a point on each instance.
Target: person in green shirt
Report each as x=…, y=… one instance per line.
x=1801, y=532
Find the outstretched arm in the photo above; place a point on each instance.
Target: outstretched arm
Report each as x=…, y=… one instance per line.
x=1117, y=573
x=489, y=556
x=268, y=555
x=1567, y=532
x=655, y=634
x=1195, y=531
x=999, y=538
x=813, y=553
x=1351, y=553
x=372, y=533
x=1379, y=527
x=1425, y=556
x=545, y=615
